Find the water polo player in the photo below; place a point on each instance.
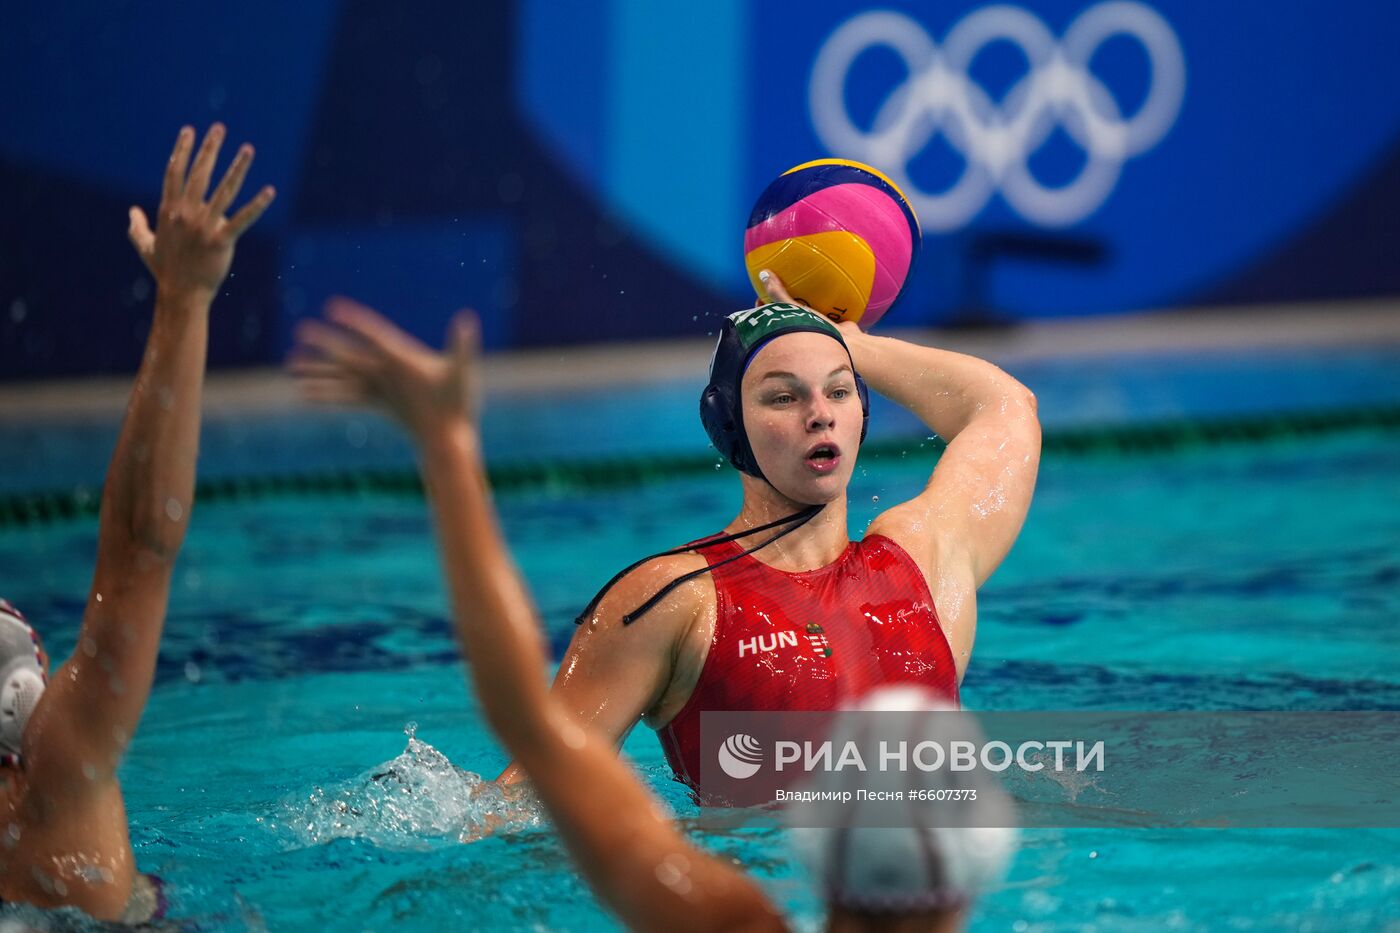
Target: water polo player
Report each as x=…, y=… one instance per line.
x=907, y=878
x=62, y=816
x=783, y=611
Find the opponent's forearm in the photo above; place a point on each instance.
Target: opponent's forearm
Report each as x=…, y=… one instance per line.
x=946, y=390
x=149, y=489
x=491, y=608
x=100, y=692
x=573, y=768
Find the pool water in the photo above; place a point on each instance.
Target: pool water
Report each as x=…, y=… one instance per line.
x=306, y=634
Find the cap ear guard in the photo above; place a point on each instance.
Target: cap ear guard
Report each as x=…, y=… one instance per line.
x=19, y=696
x=22, y=681
x=723, y=421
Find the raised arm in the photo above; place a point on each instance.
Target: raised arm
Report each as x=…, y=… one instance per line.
x=618, y=833
x=92, y=706
x=976, y=500
x=963, y=523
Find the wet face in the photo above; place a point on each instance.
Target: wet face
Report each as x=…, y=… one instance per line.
x=803, y=416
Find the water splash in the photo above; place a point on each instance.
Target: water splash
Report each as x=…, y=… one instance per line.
x=418, y=800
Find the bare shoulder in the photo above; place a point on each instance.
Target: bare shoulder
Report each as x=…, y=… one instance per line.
x=678, y=607
x=630, y=657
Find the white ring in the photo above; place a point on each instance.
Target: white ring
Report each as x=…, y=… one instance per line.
x=996, y=140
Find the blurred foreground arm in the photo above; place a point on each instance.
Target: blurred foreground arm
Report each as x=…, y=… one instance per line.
x=620, y=836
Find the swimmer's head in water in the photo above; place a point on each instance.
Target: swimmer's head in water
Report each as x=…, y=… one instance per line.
x=792, y=413
x=921, y=866
x=22, y=679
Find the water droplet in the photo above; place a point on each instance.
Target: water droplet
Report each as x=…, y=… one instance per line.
x=573, y=736
x=192, y=672
x=874, y=498
x=174, y=509
x=673, y=872
x=356, y=433
x=1094, y=854
x=89, y=771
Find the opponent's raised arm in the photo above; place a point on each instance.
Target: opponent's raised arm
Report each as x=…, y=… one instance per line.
x=92, y=706
x=617, y=832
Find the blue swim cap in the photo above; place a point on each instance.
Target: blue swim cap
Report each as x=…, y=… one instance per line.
x=745, y=333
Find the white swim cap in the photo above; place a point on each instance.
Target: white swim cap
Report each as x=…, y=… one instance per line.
x=21, y=680
x=919, y=866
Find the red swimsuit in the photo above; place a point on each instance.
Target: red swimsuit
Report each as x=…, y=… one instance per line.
x=811, y=640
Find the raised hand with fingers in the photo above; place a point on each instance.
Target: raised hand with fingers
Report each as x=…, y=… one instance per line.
x=190, y=250
x=359, y=357
x=61, y=790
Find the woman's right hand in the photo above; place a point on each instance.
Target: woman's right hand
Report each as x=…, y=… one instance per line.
x=190, y=251
x=359, y=357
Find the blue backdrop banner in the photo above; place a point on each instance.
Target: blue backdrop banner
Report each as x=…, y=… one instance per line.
x=583, y=171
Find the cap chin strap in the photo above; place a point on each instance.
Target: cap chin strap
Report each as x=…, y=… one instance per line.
x=793, y=521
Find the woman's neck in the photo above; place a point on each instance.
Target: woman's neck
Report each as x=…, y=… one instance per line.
x=819, y=542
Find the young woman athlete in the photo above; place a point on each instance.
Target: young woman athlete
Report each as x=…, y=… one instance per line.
x=621, y=837
x=784, y=611
x=63, y=829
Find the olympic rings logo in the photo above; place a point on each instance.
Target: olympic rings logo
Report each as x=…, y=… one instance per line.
x=996, y=139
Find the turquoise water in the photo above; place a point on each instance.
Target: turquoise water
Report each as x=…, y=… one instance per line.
x=306, y=634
